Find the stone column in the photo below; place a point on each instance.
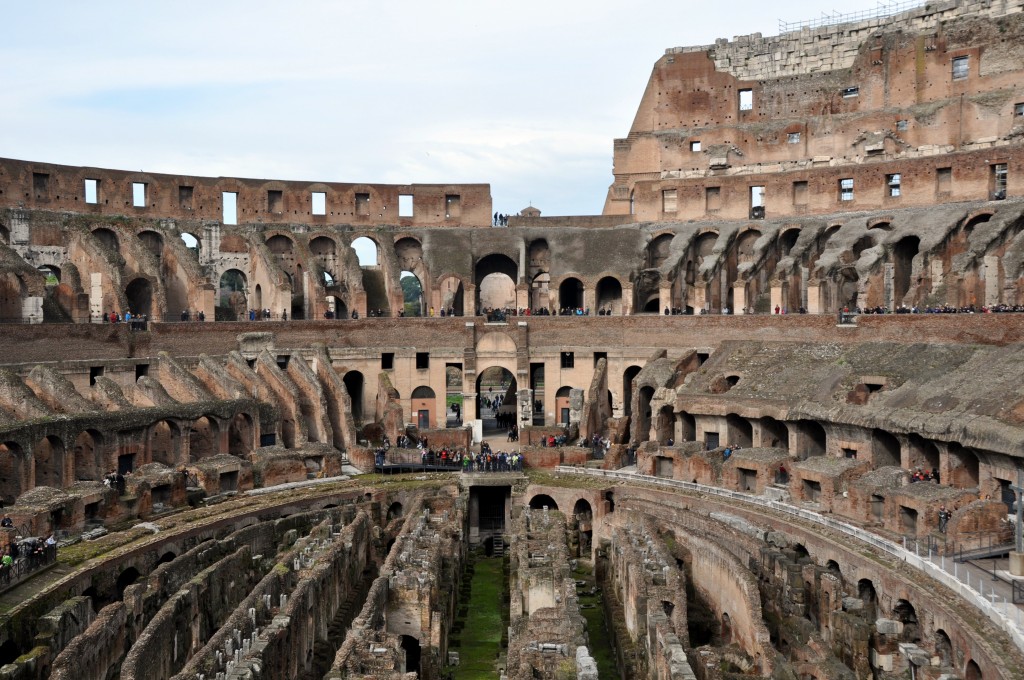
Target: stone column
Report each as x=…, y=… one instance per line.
x=991, y=279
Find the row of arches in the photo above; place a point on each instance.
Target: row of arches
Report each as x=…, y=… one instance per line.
x=59, y=463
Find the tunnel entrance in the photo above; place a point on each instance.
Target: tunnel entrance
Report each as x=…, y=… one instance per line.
x=488, y=508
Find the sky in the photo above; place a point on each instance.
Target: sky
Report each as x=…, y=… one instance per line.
x=526, y=96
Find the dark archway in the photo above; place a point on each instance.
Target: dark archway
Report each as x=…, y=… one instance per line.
x=88, y=464
x=140, y=297
x=811, y=439
x=153, y=242
x=741, y=432
x=627, y=388
x=108, y=239
x=232, y=303
x=542, y=500
x=609, y=295
x=902, y=267
x=885, y=449
x=354, y=386
x=412, y=294
x=411, y=647
x=866, y=593
x=570, y=294
x=13, y=472
x=642, y=418
x=774, y=433
x=165, y=558
x=165, y=443
x=49, y=462
x=394, y=511
x=125, y=579
x=972, y=671
x=905, y=613
x=240, y=435
x=496, y=399
x=202, y=440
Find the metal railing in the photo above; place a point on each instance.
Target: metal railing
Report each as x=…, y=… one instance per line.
x=971, y=592
x=883, y=9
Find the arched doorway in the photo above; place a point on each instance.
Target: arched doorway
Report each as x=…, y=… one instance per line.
x=642, y=417
x=368, y=252
x=741, y=432
x=609, y=296
x=811, y=439
x=88, y=465
x=354, y=386
x=902, y=267
x=412, y=294
x=140, y=297
x=570, y=294
x=452, y=296
x=108, y=239
x=231, y=299
x=13, y=472
x=496, y=399
x=202, y=440
x=583, y=516
x=563, y=408
x=495, y=277
x=165, y=443
x=240, y=435
x=774, y=433
x=423, y=405
x=627, y=388
x=541, y=501
x=885, y=449
x=48, y=457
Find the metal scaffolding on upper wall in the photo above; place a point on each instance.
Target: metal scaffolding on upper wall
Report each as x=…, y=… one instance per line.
x=883, y=9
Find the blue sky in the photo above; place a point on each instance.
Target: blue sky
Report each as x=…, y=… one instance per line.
x=526, y=96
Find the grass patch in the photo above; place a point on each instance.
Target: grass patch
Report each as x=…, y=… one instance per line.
x=601, y=646
x=481, y=636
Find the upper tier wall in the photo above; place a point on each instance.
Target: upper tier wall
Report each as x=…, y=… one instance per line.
x=54, y=187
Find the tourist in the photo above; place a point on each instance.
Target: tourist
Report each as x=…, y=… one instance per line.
x=6, y=522
x=944, y=516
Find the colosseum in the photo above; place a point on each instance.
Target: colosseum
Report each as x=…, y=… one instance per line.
x=764, y=416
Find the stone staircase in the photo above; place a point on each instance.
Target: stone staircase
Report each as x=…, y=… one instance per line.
x=499, y=545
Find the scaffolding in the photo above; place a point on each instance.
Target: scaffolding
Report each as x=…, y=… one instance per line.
x=883, y=9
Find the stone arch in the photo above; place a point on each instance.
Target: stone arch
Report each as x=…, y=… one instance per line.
x=538, y=273
x=943, y=648
x=193, y=243
x=202, y=438
x=885, y=449
x=168, y=556
x=48, y=458
x=495, y=277
x=13, y=472
x=232, y=302
x=323, y=246
x=787, y=240
x=642, y=416
x=628, y=376
x=153, y=241
x=905, y=613
x=811, y=439
x=88, y=456
x=409, y=252
x=833, y=568
x=745, y=245
x=280, y=245
x=139, y=294
x=570, y=293
x=539, y=501
x=903, y=254
x=741, y=432
x=665, y=424
x=866, y=593
x=452, y=289
x=354, y=383
x=966, y=466
x=774, y=433
x=125, y=579
x=414, y=294
x=165, y=443
x=972, y=671
x=658, y=250
x=860, y=245
x=240, y=435
x=395, y=511
x=107, y=238
x=608, y=295
x=490, y=374
x=883, y=223
x=367, y=251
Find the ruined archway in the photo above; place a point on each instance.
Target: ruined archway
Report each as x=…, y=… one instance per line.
x=140, y=297
x=774, y=433
x=570, y=294
x=108, y=239
x=741, y=432
x=165, y=443
x=903, y=254
x=88, y=462
x=627, y=388
x=452, y=295
x=609, y=295
x=354, y=386
x=232, y=304
x=905, y=613
x=541, y=501
x=152, y=241
x=885, y=449
x=240, y=435
x=202, y=439
x=495, y=277
x=642, y=418
x=13, y=472
x=412, y=294
x=48, y=457
x=811, y=439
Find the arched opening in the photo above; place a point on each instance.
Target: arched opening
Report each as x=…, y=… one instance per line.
x=88, y=465
x=811, y=440
x=125, y=579
x=787, y=240
x=453, y=395
x=627, y=388
x=298, y=306
x=354, y=386
x=726, y=630
x=140, y=297
x=664, y=426
x=165, y=558
x=192, y=243
x=49, y=462
x=240, y=435
x=943, y=648
x=336, y=307
x=642, y=417
x=538, y=273
x=394, y=511
x=325, y=251
x=583, y=514
x=801, y=555
x=496, y=399
x=902, y=266
x=905, y=613
x=885, y=449
x=964, y=466
x=257, y=300
x=9, y=652
x=972, y=671
x=653, y=305
x=51, y=272
x=563, y=408
x=452, y=296
x=368, y=252
x=774, y=433
x=570, y=294
x=833, y=568
x=231, y=300
x=609, y=296
x=495, y=277
x=412, y=294
x=202, y=439
x=866, y=593
x=165, y=443
x=658, y=251
x=745, y=245
x=411, y=647
x=542, y=501
x=13, y=472
x=687, y=427
x=423, y=406
x=152, y=241
x=280, y=245
x=741, y=432
x=108, y=239
x=862, y=244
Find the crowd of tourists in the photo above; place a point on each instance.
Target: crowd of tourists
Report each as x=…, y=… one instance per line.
x=456, y=458
x=944, y=309
x=25, y=555
x=499, y=220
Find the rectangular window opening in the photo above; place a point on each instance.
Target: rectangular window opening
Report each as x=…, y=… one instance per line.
x=1018, y=109
x=600, y=355
x=319, y=203
x=387, y=361
x=94, y=372
x=846, y=189
x=961, y=68
x=999, y=177
x=275, y=201
x=668, y=200
x=138, y=195
x=850, y=92
x=141, y=370
x=746, y=100
x=794, y=138
x=892, y=183
x=452, y=206
x=695, y=146
x=282, y=361
x=41, y=184
x=568, y=360
x=422, y=360
x=405, y=205
x=849, y=453
x=230, y=212
x=185, y=197
x=944, y=180
x=902, y=125
x=757, y=203
x=92, y=191
x=362, y=204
